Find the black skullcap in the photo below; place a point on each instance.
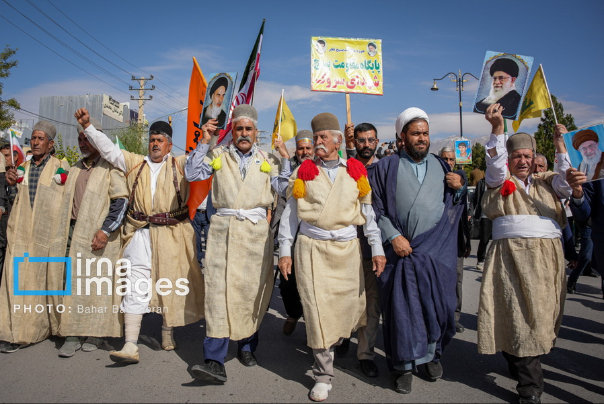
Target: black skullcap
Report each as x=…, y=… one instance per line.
x=505, y=65
x=160, y=127
x=220, y=82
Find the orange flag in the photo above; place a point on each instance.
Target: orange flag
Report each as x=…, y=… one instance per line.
x=197, y=92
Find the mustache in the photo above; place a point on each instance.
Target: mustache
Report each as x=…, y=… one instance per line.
x=321, y=147
x=242, y=138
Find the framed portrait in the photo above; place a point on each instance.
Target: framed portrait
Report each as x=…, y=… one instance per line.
x=503, y=80
x=217, y=100
x=586, y=150
x=463, y=152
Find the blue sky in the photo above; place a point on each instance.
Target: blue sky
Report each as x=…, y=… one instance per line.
x=421, y=40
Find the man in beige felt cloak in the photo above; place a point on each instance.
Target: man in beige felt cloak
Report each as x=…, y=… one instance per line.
x=523, y=286
x=96, y=199
x=329, y=197
x=158, y=239
x=36, y=230
x=239, y=259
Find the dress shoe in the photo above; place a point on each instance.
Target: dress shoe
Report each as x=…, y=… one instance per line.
x=167, y=338
x=92, y=344
x=290, y=325
x=571, y=287
x=434, y=370
x=529, y=400
x=343, y=348
x=69, y=348
x=459, y=328
x=369, y=368
x=128, y=354
x=403, y=383
x=320, y=392
x=210, y=371
x=246, y=358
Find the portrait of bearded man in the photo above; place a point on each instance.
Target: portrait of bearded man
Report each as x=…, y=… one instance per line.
x=504, y=73
x=587, y=143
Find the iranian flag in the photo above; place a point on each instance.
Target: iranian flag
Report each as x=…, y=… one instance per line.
x=15, y=146
x=246, y=89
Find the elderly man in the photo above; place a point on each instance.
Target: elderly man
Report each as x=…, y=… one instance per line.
x=159, y=242
x=215, y=109
x=504, y=72
x=464, y=246
x=96, y=199
x=34, y=229
x=329, y=197
x=239, y=260
x=523, y=285
x=592, y=164
x=540, y=163
x=418, y=203
x=289, y=287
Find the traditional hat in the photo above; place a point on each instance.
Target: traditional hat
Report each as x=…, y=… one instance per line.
x=160, y=127
x=520, y=141
x=584, y=136
x=94, y=122
x=324, y=121
x=407, y=116
x=46, y=127
x=245, y=110
x=304, y=136
x=505, y=65
x=220, y=82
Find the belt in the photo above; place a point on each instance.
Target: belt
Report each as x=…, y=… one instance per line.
x=165, y=219
x=525, y=226
x=253, y=215
x=345, y=234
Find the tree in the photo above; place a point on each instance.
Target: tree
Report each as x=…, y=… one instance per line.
x=479, y=157
x=6, y=116
x=70, y=154
x=134, y=138
x=545, y=131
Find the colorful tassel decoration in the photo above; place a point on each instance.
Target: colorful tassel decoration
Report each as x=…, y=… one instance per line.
x=299, y=189
x=60, y=176
x=308, y=170
x=265, y=167
x=358, y=172
x=507, y=188
x=363, y=186
x=216, y=163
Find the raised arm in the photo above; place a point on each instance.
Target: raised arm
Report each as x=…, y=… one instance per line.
x=497, y=154
x=107, y=149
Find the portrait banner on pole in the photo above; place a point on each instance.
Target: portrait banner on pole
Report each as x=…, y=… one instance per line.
x=346, y=65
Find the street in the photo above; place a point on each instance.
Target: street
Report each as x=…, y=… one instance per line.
x=572, y=371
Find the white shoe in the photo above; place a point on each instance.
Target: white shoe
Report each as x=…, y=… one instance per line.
x=128, y=354
x=320, y=392
x=480, y=266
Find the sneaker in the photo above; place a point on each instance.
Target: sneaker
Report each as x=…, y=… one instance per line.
x=10, y=348
x=480, y=266
x=128, y=354
x=69, y=348
x=290, y=325
x=320, y=392
x=92, y=344
x=210, y=371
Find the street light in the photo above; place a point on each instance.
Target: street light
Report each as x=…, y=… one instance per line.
x=459, y=80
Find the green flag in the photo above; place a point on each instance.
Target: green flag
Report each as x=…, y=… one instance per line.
x=117, y=142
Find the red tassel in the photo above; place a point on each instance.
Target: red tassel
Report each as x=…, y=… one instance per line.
x=355, y=169
x=507, y=188
x=308, y=170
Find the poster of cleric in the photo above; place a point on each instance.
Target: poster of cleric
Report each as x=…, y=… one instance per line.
x=217, y=101
x=504, y=80
x=586, y=150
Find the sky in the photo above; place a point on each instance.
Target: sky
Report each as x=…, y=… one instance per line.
x=421, y=41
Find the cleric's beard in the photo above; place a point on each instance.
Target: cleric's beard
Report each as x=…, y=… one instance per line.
x=496, y=94
x=593, y=160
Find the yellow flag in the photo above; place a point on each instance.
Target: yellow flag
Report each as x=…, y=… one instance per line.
x=285, y=124
x=536, y=99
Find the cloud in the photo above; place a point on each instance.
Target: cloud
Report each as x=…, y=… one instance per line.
x=268, y=93
x=209, y=57
x=584, y=114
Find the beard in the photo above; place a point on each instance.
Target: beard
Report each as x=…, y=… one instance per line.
x=417, y=154
x=366, y=152
x=497, y=93
x=213, y=111
x=593, y=160
x=84, y=155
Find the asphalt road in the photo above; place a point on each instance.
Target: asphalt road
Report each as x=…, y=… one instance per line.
x=573, y=370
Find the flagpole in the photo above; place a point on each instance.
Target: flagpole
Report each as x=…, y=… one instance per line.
x=12, y=155
x=549, y=94
x=280, y=111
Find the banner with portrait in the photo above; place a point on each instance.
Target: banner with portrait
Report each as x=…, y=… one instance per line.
x=346, y=65
x=586, y=150
x=503, y=80
x=218, y=98
x=463, y=152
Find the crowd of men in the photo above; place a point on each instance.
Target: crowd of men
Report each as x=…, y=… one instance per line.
x=360, y=238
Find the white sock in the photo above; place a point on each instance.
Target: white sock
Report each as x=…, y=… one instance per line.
x=132, y=327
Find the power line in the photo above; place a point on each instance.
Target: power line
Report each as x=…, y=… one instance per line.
x=100, y=43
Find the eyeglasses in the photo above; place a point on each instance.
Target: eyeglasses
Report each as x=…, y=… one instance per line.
x=369, y=141
x=501, y=78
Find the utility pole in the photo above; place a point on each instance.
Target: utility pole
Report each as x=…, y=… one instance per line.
x=141, y=95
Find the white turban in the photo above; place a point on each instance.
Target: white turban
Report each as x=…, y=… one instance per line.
x=407, y=116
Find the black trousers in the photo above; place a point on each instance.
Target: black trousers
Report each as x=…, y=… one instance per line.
x=486, y=228
x=290, y=295
x=459, y=288
x=528, y=372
